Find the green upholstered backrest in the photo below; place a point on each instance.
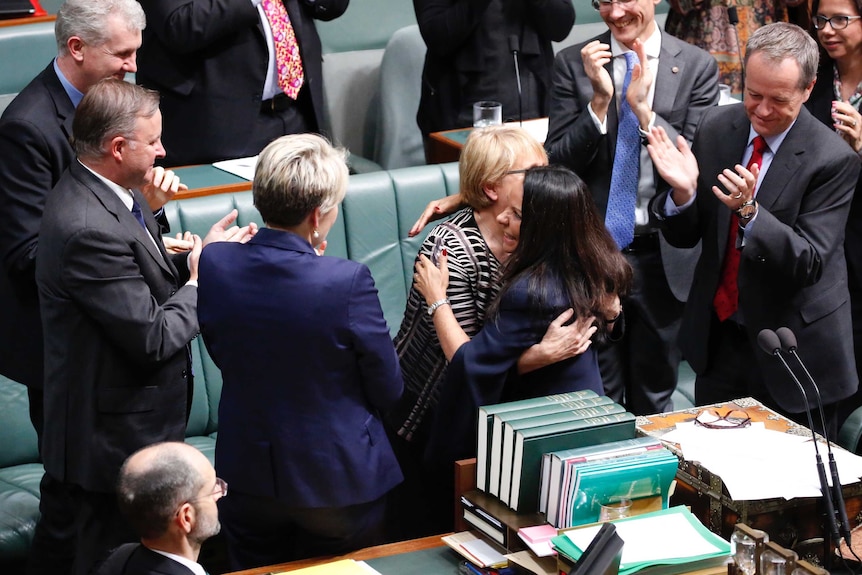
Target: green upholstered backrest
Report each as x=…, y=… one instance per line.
x=25, y=50
x=17, y=436
x=365, y=25
x=378, y=211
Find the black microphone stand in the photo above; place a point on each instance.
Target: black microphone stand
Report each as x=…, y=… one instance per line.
x=788, y=344
x=769, y=342
x=513, y=47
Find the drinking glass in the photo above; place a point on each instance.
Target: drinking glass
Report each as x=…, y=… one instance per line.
x=615, y=510
x=487, y=113
x=742, y=549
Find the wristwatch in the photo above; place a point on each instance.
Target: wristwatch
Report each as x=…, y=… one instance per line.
x=433, y=307
x=747, y=210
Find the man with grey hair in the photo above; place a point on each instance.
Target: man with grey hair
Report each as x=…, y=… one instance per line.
x=121, y=312
x=95, y=39
x=767, y=188
x=168, y=493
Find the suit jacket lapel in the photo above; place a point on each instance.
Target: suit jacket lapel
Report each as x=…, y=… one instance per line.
x=62, y=103
x=113, y=205
x=155, y=232
x=786, y=162
x=666, y=80
x=727, y=156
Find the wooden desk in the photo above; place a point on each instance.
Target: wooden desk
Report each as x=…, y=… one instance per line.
x=446, y=146
x=426, y=556
x=794, y=524
x=206, y=180
x=370, y=553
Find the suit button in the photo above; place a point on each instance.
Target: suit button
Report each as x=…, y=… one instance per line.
x=761, y=259
x=185, y=374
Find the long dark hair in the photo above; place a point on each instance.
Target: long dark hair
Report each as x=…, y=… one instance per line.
x=563, y=240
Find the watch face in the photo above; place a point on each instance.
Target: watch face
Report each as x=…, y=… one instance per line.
x=746, y=212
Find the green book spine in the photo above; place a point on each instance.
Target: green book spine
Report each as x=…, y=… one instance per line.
x=496, y=451
x=532, y=442
x=512, y=427
x=486, y=422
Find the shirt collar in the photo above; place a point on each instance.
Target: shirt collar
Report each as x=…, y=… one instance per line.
x=195, y=567
x=774, y=142
x=124, y=194
x=74, y=93
x=652, y=45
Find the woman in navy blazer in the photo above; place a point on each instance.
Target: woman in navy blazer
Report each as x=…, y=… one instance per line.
x=563, y=258
x=308, y=365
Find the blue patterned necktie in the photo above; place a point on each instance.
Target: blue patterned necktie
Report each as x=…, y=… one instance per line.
x=620, y=218
x=136, y=211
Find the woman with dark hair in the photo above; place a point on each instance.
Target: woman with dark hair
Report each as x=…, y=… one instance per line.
x=837, y=93
x=563, y=258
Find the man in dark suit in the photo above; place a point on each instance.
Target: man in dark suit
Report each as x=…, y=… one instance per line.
x=168, y=493
x=673, y=90
x=117, y=312
x=217, y=67
x=96, y=39
x=772, y=232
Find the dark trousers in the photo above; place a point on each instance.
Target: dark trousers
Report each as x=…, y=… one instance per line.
x=733, y=373
x=52, y=551
x=423, y=504
x=264, y=531
x=641, y=370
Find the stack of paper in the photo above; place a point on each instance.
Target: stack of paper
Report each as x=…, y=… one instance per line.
x=476, y=550
x=664, y=543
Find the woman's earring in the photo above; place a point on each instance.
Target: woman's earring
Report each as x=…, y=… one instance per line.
x=316, y=234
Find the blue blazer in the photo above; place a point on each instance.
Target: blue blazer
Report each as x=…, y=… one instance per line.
x=308, y=365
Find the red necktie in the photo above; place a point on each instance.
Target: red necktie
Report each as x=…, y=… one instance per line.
x=726, y=300
x=287, y=58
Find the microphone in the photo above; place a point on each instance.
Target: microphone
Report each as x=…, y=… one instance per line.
x=513, y=48
x=733, y=19
x=770, y=343
x=788, y=344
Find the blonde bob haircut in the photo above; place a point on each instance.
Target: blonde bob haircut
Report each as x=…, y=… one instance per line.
x=488, y=154
x=296, y=174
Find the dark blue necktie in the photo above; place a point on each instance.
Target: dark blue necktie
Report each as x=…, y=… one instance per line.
x=136, y=211
x=620, y=218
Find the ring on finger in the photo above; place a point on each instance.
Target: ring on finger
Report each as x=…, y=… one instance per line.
x=737, y=196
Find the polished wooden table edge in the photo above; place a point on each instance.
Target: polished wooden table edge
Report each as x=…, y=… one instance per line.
x=213, y=190
x=27, y=20
x=386, y=550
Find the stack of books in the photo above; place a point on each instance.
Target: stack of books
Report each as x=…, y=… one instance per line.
x=576, y=482
x=514, y=436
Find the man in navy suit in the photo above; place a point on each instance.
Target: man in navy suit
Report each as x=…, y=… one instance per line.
x=677, y=83
x=96, y=39
x=772, y=229
x=168, y=493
